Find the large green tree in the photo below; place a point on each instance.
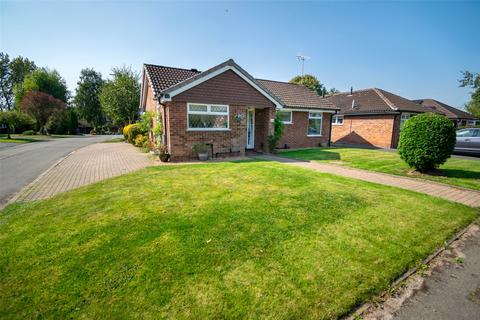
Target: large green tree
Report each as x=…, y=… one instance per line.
x=87, y=97
x=310, y=82
x=12, y=74
x=43, y=80
x=472, y=80
x=119, y=96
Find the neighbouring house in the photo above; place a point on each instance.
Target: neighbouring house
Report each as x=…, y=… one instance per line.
x=370, y=117
x=459, y=117
x=230, y=111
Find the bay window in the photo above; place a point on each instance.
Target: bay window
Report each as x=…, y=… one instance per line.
x=207, y=117
x=314, y=124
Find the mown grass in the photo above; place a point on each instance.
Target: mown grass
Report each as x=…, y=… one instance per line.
x=113, y=140
x=456, y=171
x=223, y=240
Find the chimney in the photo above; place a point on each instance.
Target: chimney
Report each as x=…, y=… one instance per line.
x=351, y=90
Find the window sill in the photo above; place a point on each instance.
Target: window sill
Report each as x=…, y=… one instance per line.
x=287, y=122
x=213, y=130
x=314, y=135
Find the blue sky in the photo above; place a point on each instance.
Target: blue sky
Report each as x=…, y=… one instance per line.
x=413, y=49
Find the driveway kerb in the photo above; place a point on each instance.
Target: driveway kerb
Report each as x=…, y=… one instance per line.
x=24, y=189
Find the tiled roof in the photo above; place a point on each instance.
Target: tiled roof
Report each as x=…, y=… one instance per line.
x=165, y=79
x=296, y=95
x=161, y=77
x=450, y=112
x=373, y=101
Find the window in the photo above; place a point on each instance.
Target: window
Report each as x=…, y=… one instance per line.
x=314, y=124
x=337, y=120
x=466, y=133
x=404, y=117
x=285, y=116
x=473, y=122
x=207, y=117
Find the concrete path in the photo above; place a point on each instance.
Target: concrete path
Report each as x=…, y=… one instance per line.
x=452, y=291
x=465, y=196
x=84, y=166
x=21, y=163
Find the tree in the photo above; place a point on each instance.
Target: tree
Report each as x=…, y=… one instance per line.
x=63, y=122
x=43, y=80
x=12, y=74
x=41, y=106
x=310, y=82
x=119, y=96
x=427, y=141
x=333, y=91
x=472, y=80
x=6, y=89
x=87, y=98
x=14, y=118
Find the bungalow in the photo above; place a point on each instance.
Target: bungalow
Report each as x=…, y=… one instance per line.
x=230, y=111
x=370, y=117
x=459, y=117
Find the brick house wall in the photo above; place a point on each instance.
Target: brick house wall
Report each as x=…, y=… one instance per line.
x=295, y=134
x=371, y=130
x=229, y=89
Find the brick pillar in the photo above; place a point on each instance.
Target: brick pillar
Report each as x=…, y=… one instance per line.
x=269, y=118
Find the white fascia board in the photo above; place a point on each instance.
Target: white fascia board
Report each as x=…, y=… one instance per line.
x=310, y=110
x=209, y=76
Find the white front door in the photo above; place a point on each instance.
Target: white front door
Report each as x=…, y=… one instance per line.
x=250, y=128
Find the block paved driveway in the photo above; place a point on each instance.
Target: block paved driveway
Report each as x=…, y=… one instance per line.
x=22, y=163
x=456, y=194
x=87, y=165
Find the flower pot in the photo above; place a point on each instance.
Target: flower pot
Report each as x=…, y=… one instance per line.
x=203, y=156
x=164, y=157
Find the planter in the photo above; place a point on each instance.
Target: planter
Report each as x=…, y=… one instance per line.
x=203, y=156
x=164, y=157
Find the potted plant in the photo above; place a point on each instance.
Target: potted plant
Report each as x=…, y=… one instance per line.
x=202, y=150
x=163, y=153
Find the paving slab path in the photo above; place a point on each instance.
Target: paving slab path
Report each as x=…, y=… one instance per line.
x=86, y=165
x=456, y=194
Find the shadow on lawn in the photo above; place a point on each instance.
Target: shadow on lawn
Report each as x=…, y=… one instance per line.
x=457, y=173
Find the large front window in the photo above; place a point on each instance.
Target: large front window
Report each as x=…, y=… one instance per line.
x=207, y=117
x=314, y=124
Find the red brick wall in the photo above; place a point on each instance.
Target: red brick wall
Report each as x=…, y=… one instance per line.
x=295, y=134
x=226, y=88
x=396, y=131
x=371, y=130
x=230, y=142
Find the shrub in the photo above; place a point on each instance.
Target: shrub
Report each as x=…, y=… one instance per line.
x=200, y=147
x=125, y=131
x=427, y=141
x=277, y=134
x=28, y=133
x=141, y=141
x=134, y=131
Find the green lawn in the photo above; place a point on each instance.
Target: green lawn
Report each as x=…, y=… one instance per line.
x=20, y=138
x=456, y=171
x=223, y=240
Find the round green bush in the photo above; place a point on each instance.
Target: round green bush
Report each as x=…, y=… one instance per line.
x=427, y=141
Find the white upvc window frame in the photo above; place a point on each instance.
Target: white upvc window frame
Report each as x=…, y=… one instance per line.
x=208, y=112
x=291, y=116
x=407, y=116
x=320, y=117
x=335, y=119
